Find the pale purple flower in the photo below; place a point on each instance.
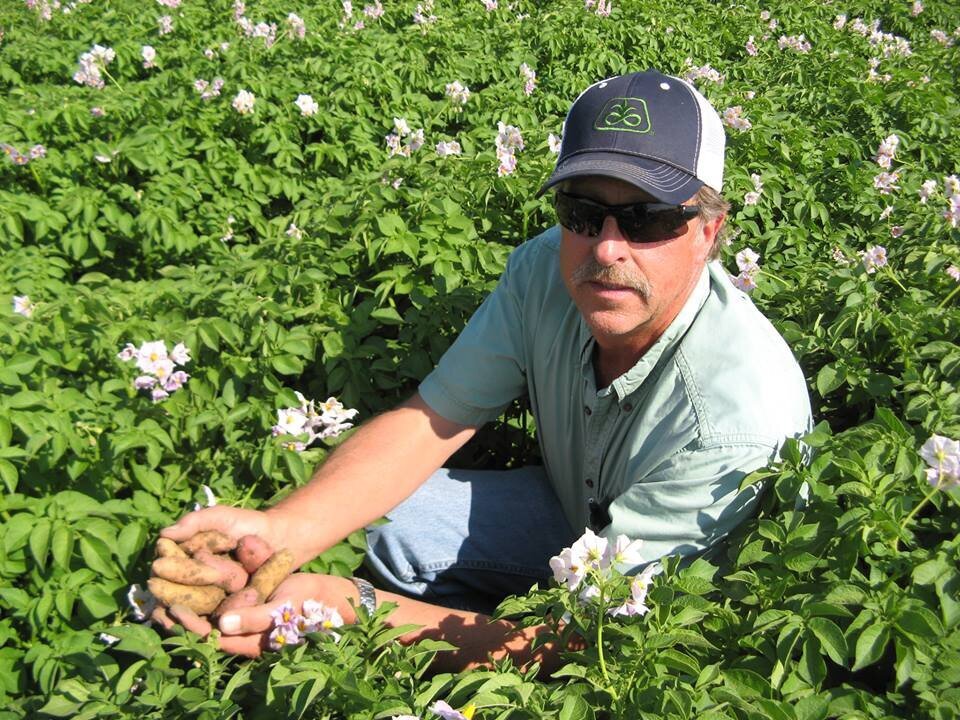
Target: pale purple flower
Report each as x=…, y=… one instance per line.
x=798, y=43
x=751, y=198
x=926, y=190
x=294, y=232
x=568, y=568
x=508, y=162
x=954, y=272
x=209, y=54
x=282, y=636
x=952, y=215
x=416, y=140
x=209, y=496
x=896, y=231
x=93, y=64
x=296, y=26
x=745, y=281
x=284, y=615
x=623, y=552
x=23, y=306
x=636, y=604
x=172, y=4
x=838, y=256
x=886, y=182
x=747, y=260
x=886, y=212
x=149, y=56
x=400, y=127
x=603, y=9
x=165, y=23
x=180, y=354
x=308, y=106
x=394, y=145
x=508, y=137
x=951, y=185
x=144, y=382
x=128, y=353
x=554, y=142
x=37, y=152
x=490, y=5
x=941, y=37
x=424, y=13
x=704, y=72
x=733, y=117
x=445, y=149
x=839, y=22
x=290, y=421
x=874, y=257
x=886, y=151
x=318, y=617
x=141, y=601
x=97, y=112
x=243, y=102
x=529, y=77
x=175, y=381
x=158, y=394
x=375, y=11
x=916, y=8
x=750, y=46
x=457, y=92
x=151, y=353
x=943, y=456
x=446, y=712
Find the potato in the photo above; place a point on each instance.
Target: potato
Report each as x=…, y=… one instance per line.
x=167, y=548
x=186, y=571
x=202, y=599
x=252, y=552
x=240, y=599
x=273, y=572
x=212, y=541
x=230, y=574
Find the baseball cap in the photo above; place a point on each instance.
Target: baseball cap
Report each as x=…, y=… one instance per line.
x=654, y=131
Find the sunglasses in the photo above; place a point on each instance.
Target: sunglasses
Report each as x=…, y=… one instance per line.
x=640, y=222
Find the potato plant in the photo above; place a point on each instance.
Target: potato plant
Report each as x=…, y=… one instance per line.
x=307, y=198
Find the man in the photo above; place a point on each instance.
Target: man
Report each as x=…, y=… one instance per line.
x=656, y=388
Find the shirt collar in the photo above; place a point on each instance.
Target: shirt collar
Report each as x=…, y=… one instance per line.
x=634, y=377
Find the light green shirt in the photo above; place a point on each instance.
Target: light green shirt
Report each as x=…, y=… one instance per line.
x=668, y=442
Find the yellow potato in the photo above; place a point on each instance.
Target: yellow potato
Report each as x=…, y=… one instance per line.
x=202, y=599
x=273, y=572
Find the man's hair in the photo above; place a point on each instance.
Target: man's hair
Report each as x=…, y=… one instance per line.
x=712, y=205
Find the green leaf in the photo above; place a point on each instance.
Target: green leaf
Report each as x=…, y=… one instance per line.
x=40, y=541
x=828, y=380
x=575, y=708
x=287, y=364
x=870, y=645
x=9, y=475
x=96, y=554
x=920, y=623
x=831, y=638
x=98, y=601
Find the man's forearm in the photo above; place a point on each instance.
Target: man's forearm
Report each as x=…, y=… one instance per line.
x=380, y=465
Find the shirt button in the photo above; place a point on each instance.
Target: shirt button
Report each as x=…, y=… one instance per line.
x=587, y=410
x=589, y=483
x=627, y=407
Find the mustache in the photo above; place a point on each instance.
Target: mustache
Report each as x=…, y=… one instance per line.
x=592, y=271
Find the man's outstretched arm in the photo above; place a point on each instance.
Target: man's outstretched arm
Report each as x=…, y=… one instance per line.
x=379, y=466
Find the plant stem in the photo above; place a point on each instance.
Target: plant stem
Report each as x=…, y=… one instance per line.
x=112, y=79
x=894, y=278
x=908, y=518
x=948, y=298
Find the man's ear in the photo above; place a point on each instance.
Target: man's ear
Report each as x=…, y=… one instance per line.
x=709, y=231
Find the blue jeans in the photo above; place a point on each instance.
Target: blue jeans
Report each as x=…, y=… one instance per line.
x=466, y=538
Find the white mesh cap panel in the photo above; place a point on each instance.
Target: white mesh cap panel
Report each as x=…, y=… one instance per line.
x=712, y=142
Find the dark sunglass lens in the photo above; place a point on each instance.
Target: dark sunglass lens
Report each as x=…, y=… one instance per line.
x=577, y=216
x=652, y=225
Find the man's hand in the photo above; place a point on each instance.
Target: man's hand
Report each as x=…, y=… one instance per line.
x=245, y=631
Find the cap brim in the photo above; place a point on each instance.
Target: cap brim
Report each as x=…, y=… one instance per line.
x=664, y=182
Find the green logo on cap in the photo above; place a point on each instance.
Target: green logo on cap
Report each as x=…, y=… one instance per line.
x=625, y=115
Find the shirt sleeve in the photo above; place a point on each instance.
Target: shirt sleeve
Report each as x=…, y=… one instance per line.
x=690, y=501
x=484, y=370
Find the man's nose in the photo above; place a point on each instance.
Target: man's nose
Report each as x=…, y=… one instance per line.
x=611, y=246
